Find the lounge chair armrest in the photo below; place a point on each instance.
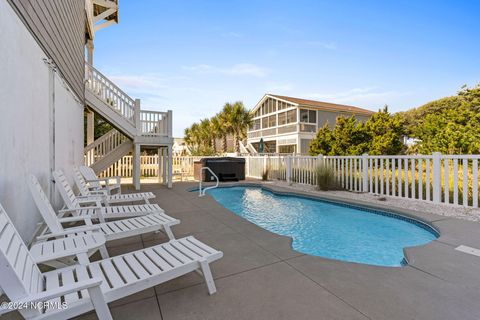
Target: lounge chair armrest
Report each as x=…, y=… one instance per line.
x=58, y=292
x=78, y=209
x=98, y=192
x=68, y=231
x=73, y=219
x=92, y=198
x=85, y=200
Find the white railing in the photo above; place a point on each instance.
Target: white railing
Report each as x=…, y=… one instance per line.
x=447, y=179
x=155, y=123
x=202, y=192
x=107, y=91
x=149, y=166
x=102, y=146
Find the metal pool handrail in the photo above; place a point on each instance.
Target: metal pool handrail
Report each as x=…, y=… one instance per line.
x=201, y=194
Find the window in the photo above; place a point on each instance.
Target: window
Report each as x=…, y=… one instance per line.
x=256, y=124
x=282, y=118
x=312, y=116
x=308, y=116
x=264, y=122
x=272, y=121
x=291, y=116
x=287, y=149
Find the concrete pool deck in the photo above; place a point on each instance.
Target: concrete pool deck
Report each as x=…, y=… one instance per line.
x=261, y=277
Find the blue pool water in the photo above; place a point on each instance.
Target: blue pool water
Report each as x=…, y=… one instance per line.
x=327, y=229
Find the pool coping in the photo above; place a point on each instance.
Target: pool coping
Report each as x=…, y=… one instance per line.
x=401, y=213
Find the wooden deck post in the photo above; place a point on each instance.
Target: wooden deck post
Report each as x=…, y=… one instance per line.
x=90, y=126
x=137, y=117
x=136, y=166
x=170, y=166
x=159, y=163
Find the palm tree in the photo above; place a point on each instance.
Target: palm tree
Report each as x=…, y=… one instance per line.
x=234, y=119
x=226, y=121
x=217, y=130
x=241, y=120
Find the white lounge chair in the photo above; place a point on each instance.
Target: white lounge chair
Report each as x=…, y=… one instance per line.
x=112, y=230
x=74, y=204
x=62, y=250
x=90, y=287
x=108, y=184
x=107, y=198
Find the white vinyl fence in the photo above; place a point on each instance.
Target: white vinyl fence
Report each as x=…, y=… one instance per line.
x=149, y=167
x=448, y=179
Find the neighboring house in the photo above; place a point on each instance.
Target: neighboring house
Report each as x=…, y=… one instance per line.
x=288, y=125
x=46, y=85
x=180, y=147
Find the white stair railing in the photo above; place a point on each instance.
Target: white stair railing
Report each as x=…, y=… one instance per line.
x=202, y=192
x=243, y=150
x=112, y=95
x=103, y=146
x=154, y=123
x=251, y=148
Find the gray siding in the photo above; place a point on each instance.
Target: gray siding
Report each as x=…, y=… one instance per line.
x=331, y=117
x=59, y=28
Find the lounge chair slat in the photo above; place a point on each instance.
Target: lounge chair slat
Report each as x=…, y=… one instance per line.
x=147, y=263
x=180, y=252
x=82, y=275
x=97, y=273
x=111, y=273
x=199, y=244
x=68, y=279
x=124, y=270
x=157, y=259
x=168, y=256
x=52, y=282
x=139, y=270
x=188, y=249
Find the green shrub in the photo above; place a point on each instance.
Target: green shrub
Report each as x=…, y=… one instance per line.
x=325, y=178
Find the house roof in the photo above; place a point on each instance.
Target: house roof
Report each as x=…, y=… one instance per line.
x=323, y=105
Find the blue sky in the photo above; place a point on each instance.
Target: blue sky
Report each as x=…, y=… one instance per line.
x=193, y=56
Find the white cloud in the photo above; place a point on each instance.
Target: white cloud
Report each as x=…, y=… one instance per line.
x=240, y=69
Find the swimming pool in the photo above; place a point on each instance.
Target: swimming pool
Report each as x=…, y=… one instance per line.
x=328, y=229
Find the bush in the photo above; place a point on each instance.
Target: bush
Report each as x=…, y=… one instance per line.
x=265, y=174
x=325, y=178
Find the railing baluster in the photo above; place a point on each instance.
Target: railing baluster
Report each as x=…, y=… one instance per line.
x=455, y=181
x=447, y=181
x=475, y=183
x=465, y=182
x=420, y=179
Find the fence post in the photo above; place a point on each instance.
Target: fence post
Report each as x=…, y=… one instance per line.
x=437, y=182
x=365, y=172
x=288, y=173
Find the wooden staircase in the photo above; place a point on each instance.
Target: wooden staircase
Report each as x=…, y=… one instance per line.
x=106, y=150
x=133, y=127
